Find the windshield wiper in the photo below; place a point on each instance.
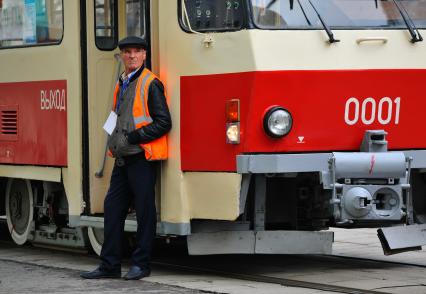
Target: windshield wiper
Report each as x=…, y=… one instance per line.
x=270, y=4
x=325, y=26
x=304, y=13
x=414, y=32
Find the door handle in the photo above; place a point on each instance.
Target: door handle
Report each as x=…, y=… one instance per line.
x=382, y=40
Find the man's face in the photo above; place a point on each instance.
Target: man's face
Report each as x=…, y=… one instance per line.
x=133, y=58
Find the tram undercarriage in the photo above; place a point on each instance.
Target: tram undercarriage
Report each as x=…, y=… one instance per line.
x=283, y=204
x=37, y=211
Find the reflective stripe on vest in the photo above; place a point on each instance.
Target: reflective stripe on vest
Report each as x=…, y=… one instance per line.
x=156, y=149
x=143, y=85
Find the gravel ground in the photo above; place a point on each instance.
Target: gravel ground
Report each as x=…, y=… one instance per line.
x=23, y=278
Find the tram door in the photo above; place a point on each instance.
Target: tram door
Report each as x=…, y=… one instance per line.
x=107, y=22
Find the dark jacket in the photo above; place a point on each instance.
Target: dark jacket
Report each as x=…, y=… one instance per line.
x=159, y=112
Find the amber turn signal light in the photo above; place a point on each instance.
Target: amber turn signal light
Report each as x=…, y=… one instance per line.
x=233, y=110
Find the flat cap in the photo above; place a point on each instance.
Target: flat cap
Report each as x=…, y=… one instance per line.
x=132, y=41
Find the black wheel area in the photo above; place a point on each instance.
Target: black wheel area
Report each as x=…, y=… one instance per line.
x=19, y=209
x=3, y=183
x=96, y=239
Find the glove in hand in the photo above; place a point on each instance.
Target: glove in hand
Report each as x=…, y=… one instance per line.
x=133, y=137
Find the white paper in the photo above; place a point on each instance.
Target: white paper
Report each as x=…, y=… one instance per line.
x=110, y=123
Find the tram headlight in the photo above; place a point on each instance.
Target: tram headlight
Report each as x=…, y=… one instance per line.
x=277, y=122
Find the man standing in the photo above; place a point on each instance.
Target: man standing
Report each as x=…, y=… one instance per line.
x=142, y=120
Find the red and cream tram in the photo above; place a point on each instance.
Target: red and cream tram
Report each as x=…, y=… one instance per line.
x=289, y=116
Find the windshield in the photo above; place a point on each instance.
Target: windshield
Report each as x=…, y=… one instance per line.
x=296, y=14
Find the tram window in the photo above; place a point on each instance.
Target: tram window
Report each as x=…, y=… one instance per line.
x=213, y=15
x=417, y=11
x=279, y=14
x=135, y=12
x=105, y=24
x=30, y=22
x=290, y=14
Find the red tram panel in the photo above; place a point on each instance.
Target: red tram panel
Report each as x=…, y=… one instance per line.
x=33, y=123
x=331, y=109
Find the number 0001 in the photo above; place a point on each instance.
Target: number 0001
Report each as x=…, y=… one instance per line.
x=385, y=111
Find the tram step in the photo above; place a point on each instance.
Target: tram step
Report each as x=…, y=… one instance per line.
x=70, y=238
x=98, y=222
x=261, y=242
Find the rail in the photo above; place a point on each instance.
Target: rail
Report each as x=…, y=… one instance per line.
x=100, y=172
x=267, y=279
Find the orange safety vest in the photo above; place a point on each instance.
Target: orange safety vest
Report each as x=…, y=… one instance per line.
x=156, y=149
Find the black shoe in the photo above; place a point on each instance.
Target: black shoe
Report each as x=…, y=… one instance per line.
x=101, y=273
x=137, y=273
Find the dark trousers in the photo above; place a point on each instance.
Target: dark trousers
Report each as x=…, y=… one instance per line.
x=136, y=178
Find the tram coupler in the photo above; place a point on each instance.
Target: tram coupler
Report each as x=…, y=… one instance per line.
x=371, y=186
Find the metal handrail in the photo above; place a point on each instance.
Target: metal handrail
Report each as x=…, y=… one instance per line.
x=100, y=172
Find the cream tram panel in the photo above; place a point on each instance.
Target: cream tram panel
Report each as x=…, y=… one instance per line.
x=195, y=195
x=274, y=51
x=223, y=202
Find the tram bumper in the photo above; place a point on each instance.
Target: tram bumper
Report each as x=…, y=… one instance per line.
x=366, y=188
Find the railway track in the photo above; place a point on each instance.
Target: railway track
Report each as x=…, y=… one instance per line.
x=267, y=279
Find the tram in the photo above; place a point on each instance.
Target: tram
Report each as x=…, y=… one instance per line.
x=289, y=117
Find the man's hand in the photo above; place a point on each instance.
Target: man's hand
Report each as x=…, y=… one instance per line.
x=134, y=137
